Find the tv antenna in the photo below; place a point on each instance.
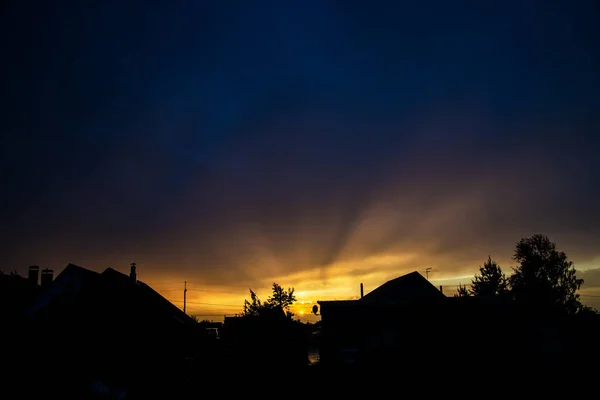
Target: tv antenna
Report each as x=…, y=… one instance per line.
x=428, y=270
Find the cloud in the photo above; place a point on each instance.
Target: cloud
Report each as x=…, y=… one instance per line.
x=311, y=191
x=291, y=208
x=218, y=152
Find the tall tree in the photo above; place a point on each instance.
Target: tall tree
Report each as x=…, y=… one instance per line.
x=490, y=281
x=544, y=277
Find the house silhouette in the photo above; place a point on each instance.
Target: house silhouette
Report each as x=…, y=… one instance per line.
x=406, y=288
x=406, y=318
x=108, y=328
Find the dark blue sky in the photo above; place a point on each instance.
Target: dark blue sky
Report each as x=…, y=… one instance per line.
x=202, y=135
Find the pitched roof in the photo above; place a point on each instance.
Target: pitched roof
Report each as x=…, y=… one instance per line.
x=412, y=287
x=69, y=282
x=144, y=296
x=157, y=300
x=107, y=289
x=76, y=270
x=409, y=287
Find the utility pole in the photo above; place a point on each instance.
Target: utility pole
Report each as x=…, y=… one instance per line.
x=184, y=295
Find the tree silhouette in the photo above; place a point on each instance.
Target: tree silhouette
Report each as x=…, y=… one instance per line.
x=253, y=306
x=462, y=291
x=588, y=311
x=280, y=298
x=266, y=333
x=544, y=277
x=490, y=281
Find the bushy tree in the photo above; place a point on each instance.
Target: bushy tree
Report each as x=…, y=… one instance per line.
x=282, y=298
x=462, y=291
x=279, y=299
x=253, y=306
x=544, y=277
x=490, y=281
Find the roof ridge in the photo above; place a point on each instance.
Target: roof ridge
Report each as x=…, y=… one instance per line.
x=410, y=284
x=413, y=273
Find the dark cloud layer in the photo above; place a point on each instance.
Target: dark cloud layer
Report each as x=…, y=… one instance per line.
x=224, y=140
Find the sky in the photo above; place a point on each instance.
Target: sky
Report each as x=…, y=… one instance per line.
x=313, y=143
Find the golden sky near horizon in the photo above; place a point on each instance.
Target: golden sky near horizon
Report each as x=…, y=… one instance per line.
x=342, y=283
x=339, y=280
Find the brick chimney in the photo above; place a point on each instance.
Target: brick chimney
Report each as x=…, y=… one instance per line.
x=47, y=276
x=34, y=274
x=133, y=274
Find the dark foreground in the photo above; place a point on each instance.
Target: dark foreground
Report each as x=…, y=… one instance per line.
x=459, y=375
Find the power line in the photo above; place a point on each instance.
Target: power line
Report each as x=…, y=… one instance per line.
x=206, y=304
x=213, y=291
x=198, y=290
x=206, y=315
x=249, y=286
x=149, y=283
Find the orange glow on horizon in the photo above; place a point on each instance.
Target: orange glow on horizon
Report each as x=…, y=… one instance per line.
x=337, y=282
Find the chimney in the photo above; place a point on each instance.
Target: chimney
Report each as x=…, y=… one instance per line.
x=441, y=289
x=362, y=292
x=47, y=275
x=34, y=274
x=133, y=274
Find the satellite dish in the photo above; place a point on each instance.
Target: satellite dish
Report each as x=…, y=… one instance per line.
x=315, y=309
